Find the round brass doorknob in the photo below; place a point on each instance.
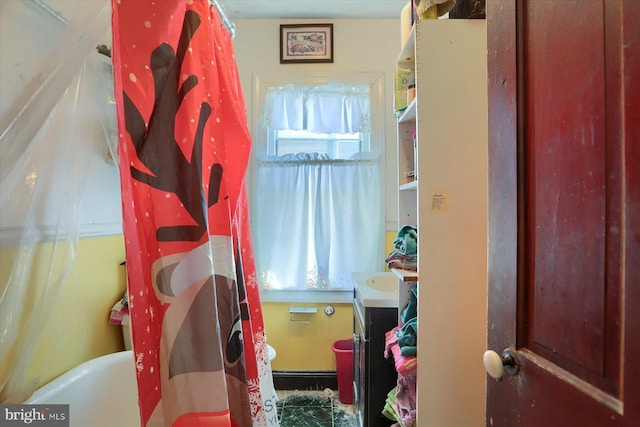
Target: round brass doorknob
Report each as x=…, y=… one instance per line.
x=495, y=364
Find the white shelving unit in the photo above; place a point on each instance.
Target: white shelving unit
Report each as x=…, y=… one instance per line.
x=446, y=199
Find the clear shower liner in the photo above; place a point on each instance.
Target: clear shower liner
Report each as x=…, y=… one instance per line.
x=48, y=86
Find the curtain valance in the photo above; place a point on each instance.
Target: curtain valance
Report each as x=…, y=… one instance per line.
x=329, y=108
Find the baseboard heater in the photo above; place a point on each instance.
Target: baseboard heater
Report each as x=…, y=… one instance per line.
x=305, y=380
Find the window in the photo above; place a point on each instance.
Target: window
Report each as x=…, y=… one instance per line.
x=317, y=204
x=336, y=146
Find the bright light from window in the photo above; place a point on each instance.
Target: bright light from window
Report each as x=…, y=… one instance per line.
x=336, y=146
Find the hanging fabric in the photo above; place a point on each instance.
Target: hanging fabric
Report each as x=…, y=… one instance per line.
x=198, y=332
x=330, y=108
x=317, y=206
x=45, y=83
x=316, y=220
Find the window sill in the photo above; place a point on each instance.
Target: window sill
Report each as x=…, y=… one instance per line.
x=335, y=297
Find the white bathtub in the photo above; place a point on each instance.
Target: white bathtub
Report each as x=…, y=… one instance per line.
x=101, y=392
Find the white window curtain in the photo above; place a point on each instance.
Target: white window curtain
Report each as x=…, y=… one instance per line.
x=316, y=219
x=332, y=108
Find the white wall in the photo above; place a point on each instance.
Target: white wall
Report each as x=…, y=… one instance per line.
x=359, y=46
x=40, y=57
x=72, y=171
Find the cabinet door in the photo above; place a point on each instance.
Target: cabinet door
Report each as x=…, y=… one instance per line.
x=381, y=376
x=359, y=365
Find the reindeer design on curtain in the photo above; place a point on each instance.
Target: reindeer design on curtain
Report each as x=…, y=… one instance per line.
x=157, y=147
x=189, y=306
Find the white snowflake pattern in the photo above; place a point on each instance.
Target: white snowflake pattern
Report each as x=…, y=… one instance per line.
x=252, y=280
x=139, y=360
x=253, y=385
x=255, y=399
x=261, y=359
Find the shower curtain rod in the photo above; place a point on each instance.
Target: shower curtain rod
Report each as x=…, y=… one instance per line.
x=225, y=19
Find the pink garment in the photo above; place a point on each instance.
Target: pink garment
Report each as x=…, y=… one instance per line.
x=406, y=400
x=405, y=365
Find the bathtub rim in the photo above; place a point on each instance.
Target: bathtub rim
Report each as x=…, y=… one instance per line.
x=74, y=374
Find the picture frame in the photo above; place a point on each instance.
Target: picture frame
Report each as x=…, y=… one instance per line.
x=306, y=43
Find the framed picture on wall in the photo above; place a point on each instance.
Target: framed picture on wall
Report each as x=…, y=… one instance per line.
x=301, y=43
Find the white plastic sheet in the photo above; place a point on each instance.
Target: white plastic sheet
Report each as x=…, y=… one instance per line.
x=45, y=97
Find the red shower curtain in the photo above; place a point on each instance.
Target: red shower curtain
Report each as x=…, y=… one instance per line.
x=198, y=335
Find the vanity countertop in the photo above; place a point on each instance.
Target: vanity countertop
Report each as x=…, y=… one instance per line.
x=376, y=289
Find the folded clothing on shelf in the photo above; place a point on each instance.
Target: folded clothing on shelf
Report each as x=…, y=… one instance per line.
x=411, y=309
x=400, y=404
x=390, y=407
x=408, y=337
x=405, y=252
x=406, y=400
x=405, y=365
x=402, y=262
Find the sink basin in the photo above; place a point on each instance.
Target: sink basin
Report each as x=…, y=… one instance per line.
x=376, y=289
x=385, y=283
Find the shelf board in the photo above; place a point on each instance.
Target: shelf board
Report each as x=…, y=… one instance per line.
x=409, y=114
x=405, y=275
x=408, y=51
x=413, y=185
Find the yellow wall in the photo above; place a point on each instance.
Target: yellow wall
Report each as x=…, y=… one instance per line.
x=306, y=346
x=79, y=328
x=389, y=237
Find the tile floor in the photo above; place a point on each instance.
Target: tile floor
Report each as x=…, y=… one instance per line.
x=307, y=408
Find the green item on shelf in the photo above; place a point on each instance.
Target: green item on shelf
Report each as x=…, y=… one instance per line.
x=411, y=309
x=404, y=78
x=389, y=410
x=408, y=337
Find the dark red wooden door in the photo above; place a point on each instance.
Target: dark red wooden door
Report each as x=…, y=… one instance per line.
x=564, y=211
